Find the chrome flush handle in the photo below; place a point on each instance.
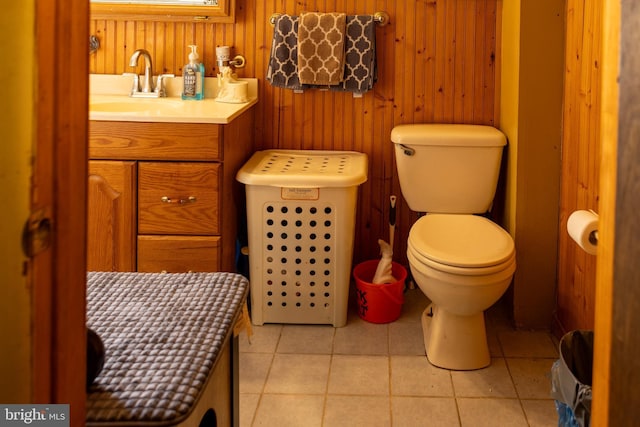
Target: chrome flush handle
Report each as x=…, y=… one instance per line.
x=408, y=151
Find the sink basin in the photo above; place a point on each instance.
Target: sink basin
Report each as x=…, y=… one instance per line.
x=136, y=105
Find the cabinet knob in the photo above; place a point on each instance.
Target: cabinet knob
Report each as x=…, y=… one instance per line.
x=190, y=199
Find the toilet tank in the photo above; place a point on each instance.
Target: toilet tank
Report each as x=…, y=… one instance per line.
x=448, y=168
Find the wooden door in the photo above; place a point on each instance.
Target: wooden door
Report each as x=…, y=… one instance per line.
x=58, y=274
x=616, y=363
x=111, y=223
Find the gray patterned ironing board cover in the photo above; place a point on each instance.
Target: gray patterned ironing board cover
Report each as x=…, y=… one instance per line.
x=162, y=334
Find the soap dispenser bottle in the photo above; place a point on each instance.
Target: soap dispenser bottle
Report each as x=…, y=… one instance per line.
x=193, y=76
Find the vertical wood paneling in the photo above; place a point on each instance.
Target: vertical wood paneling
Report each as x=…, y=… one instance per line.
x=435, y=64
x=580, y=160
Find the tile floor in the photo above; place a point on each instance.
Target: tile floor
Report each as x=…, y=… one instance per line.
x=374, y=375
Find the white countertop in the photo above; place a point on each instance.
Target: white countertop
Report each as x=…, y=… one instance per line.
x=109, y=100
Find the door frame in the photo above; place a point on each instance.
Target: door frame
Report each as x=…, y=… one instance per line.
x=58, y=274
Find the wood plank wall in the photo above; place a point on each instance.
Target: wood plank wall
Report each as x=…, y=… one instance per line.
x=436, y=63
x=581, y=154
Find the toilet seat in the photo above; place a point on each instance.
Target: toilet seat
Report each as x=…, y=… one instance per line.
x=461, y=244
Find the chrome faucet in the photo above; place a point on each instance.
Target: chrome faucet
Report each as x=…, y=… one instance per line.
x=147, y=80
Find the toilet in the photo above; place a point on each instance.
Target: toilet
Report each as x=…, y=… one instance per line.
x=462, y=261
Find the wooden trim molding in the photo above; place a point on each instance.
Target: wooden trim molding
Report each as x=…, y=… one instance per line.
x=224, y=12
x=607, y=207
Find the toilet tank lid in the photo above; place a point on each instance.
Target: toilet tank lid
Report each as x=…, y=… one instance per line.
x=448, y=135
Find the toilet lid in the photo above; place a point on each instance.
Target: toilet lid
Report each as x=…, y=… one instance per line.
x=461, y=240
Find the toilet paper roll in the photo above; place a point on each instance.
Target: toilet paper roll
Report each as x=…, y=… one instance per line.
x=583, y=227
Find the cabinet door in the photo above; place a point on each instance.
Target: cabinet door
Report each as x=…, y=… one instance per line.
x=111, y=225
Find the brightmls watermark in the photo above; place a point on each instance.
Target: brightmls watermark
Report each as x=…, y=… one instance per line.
x=36, y=415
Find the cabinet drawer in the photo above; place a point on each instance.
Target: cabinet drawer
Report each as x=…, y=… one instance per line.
x=177, y=254
x=178, y=198
x=154, y=141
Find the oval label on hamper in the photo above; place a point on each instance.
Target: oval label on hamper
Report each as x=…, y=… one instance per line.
x=299, y=193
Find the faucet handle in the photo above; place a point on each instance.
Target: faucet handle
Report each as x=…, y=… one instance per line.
x=160, y=84
x=136, y=82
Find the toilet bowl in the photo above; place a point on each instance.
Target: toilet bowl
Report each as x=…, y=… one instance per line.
x=460, y=260
x=463, y=264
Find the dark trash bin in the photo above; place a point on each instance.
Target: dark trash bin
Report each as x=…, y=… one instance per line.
x=571, y=377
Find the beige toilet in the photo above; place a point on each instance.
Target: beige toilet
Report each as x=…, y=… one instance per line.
x=462, y=261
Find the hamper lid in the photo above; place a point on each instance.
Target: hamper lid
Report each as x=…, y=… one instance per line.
x=304, y=168
x=461, y=240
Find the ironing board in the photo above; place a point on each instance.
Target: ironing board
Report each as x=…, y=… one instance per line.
x=166, y=336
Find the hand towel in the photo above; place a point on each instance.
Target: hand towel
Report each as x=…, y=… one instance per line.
x=283, y=62
x=360, y=71
x=321, y=48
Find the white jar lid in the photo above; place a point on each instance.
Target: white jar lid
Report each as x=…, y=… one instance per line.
x=461, y=240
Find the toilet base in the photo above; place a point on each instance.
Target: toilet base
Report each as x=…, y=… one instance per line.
x=455, y=342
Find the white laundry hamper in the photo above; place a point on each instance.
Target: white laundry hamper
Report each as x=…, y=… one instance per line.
x=301, y=211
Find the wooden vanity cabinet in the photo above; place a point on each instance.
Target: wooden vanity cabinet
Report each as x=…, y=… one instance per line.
x=163, y=196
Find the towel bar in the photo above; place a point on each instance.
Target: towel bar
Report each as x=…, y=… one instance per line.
x=381, y=18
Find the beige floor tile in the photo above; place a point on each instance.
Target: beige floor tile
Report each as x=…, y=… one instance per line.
x=277, y=410
x=424, y=411
x=415, y=376
x=264, y=339
x=360, y=375
x=254, y=368
x=405, y=338
x=540, y=413
x=531, y=377
x=491, y=413
x=493, y=381
x=527, y=344
x=357, y=411
x=298, y=374
x=362, y=337
x=306, y=339
x=248, y=405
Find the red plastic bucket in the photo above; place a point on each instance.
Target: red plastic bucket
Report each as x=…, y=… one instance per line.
x=379, y=303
